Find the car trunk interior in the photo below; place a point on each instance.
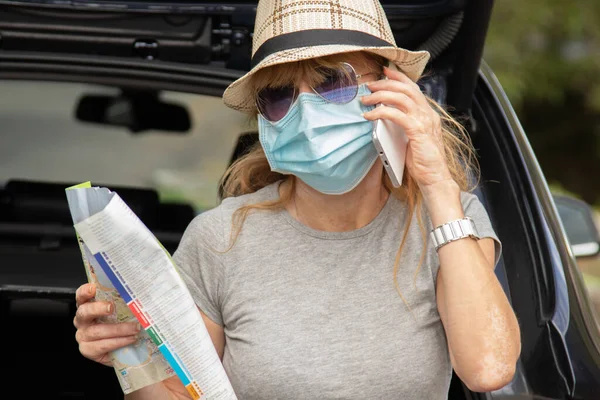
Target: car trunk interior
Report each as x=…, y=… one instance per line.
x=197, y=47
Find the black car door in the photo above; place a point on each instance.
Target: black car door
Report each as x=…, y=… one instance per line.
x=560, y=341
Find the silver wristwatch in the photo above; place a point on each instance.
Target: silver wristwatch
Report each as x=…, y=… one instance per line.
x=454, y=230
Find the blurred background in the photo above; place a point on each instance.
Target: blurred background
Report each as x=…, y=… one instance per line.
x=546, y=54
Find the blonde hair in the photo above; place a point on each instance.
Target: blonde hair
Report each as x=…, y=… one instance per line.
x=251, y=172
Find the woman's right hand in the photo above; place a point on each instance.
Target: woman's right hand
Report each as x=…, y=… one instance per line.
x=96, y=340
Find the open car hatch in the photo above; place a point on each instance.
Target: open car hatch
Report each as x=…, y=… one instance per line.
x=199, y=38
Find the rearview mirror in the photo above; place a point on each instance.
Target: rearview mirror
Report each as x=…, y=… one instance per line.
x=578, y=219
x=137, y=111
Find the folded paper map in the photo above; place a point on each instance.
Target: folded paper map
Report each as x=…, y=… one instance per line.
x=132, y=269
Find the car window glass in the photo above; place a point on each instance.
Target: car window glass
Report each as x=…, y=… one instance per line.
x=42, y=140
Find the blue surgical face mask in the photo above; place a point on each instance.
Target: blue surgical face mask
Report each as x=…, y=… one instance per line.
x=328, y=146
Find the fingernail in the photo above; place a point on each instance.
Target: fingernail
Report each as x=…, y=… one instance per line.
x=138, y=326
x=109, y=308
x=90, y=289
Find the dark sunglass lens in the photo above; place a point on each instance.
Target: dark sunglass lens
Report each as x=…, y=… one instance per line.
x=340, y=85
x=274, y=103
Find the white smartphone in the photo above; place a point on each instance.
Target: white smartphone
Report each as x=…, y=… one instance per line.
x=391, y=143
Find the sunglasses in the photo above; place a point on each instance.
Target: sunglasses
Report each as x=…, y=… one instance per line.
x=339, y=87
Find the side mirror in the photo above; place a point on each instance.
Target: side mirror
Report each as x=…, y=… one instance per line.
x=578, y=219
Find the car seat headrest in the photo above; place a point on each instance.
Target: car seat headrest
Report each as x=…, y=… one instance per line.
x=244, y=144
x=43, y=202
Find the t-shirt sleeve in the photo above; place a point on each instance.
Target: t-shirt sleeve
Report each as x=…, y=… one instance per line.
x=200, y=265
x=474, y=209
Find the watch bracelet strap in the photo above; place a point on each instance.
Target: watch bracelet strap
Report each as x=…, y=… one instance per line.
x=454, y=230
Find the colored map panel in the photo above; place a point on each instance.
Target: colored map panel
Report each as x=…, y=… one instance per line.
x=138, y=314
x=113, y=278
x=175, y=365
x=155, y=338
x=192, y=392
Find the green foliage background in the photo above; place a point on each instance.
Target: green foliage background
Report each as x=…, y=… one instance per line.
x=546, y=54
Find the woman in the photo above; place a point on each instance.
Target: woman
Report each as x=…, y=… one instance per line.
x=317, y=278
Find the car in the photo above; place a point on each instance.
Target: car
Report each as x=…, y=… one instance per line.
x=126, y=94
x=581, y=224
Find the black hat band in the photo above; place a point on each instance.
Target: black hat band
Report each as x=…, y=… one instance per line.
x=316, y=37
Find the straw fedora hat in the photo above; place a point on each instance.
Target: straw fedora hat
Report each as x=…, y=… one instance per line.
x=294, y=30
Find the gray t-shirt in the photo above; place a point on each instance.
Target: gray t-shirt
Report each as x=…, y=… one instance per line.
x=309, y=314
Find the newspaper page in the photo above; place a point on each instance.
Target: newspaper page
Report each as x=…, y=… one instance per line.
x=133, y=270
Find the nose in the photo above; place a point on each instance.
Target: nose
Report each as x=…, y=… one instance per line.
x=304, y=87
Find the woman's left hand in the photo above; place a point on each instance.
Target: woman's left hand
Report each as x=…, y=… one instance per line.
x=407, y=106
